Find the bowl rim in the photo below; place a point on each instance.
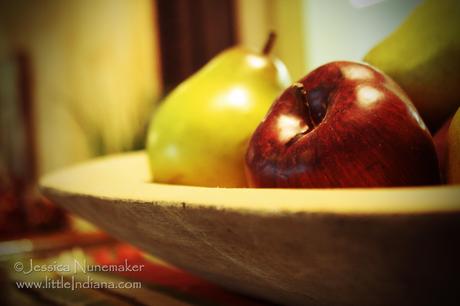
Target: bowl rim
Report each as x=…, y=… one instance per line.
x=125, y=178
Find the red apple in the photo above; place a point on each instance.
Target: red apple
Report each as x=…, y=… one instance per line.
x=440, y=144
x=345, y=124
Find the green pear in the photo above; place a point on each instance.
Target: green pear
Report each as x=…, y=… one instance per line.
x=453, y=142
x=199, y=134
x=423, y=56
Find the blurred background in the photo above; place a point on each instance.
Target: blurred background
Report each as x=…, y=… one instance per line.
x=80, y=79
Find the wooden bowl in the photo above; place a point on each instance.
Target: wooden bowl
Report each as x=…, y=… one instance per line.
x=395, y=246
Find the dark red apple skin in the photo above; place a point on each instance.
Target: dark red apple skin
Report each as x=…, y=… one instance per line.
x=440, y=143
x=368, y=134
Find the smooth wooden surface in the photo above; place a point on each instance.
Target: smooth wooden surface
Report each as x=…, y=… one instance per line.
x=308, y=247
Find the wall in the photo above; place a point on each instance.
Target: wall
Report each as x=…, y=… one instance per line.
x=313, y=32
x=95, y=69
x=346, y=30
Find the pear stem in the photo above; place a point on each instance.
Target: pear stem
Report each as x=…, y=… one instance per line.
x=300, y=95
x=269, y=44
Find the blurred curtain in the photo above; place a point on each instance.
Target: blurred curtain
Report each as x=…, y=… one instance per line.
x=191, y=32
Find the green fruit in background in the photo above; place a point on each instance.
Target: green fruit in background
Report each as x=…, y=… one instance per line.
x=423, y=56
x=453, y=141
x=200, y=132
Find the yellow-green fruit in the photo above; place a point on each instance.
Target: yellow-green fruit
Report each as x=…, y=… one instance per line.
x=453, y=142
x=200, y=132
x=423, y=56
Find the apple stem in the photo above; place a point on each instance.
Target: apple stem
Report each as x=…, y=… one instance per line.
x=269, y=43
x=300, y=95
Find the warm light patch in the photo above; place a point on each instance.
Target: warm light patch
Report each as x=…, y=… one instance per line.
x=368, y=95
x=357, y=72
x=256, y=61
x=289, y=126
x=235, y=97
x=238, y=97
x=171, y=152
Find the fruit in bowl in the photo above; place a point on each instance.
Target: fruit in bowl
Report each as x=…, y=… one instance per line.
x=425, y=63
x=345, y=124
x=441, y=145
x=199, y=134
